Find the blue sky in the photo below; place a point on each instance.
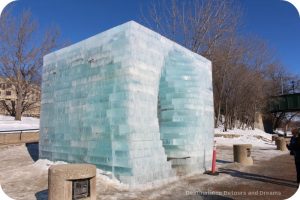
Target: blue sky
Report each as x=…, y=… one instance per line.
x=275, y=21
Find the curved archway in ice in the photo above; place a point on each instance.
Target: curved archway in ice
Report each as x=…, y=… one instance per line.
x=182, y=111
x=100, y=105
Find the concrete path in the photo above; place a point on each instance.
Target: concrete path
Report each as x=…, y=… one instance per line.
x=271, y=177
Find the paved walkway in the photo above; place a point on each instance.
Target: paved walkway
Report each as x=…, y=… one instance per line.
x=266, y=179
x=272, y=179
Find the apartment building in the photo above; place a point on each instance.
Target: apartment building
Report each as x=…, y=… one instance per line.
x=8, y=94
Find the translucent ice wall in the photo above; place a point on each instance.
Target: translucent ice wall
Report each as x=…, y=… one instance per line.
x=186, y=111
x=125, y=100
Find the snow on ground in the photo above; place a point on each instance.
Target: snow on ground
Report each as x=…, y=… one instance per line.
x=8, y=123
x=23, y=179
x=21, y=173
x=102, y=176
x=255, y=137
x=44, y=164
x=237, y=136
x=281, y=132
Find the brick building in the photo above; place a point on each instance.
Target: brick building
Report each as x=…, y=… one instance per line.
x=8, y=94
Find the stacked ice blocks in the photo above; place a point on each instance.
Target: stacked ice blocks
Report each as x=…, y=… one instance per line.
x=186, y=111
x=125, y=100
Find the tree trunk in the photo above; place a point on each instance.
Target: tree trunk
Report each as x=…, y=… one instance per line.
x=218, y=114
x=226, y=123
x=18, y=111
x=226, y=117
x=19, y=106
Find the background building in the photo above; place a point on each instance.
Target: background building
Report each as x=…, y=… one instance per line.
x=9, y=96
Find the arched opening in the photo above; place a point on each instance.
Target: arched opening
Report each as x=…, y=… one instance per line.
x=181, y=111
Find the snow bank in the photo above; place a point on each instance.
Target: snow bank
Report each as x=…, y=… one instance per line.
x=44, y=164
x=102, y=176
x=255, y=137
x=281, y=132
x=8, y=123
x=106, y=179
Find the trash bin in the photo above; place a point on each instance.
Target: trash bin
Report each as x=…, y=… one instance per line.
x=72, y=181
x=242, y=154
x=281, y=144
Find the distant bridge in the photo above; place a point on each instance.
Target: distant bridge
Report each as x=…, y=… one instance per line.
x=285, y=103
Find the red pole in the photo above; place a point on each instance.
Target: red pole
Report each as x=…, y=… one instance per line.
x=213, y=165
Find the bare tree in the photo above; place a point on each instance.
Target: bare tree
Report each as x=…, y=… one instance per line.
x=240, y=63
x=277, y=82
x=202, y=26
x=21, y=58
x=197, y=24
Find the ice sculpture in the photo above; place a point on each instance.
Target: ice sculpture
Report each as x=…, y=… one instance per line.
x=129, y=101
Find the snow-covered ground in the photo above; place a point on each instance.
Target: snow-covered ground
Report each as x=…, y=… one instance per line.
x=8, y=123
x=21, y=173
x=260, y=140
x=102, y=176
x=255, y=137
x=22, y=178
x=281, y=132
x=237, y=136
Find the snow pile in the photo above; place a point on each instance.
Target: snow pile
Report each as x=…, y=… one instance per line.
x=44, y=164
x=8, y=123
x=106, y=178
x=281, y=132
x=102, y=176
x=255, y=137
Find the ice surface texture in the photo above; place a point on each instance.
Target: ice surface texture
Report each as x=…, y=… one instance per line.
x=125, y=100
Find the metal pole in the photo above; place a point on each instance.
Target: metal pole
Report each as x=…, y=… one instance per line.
x=213, y=167
x=213, y=171
x=281, y=85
